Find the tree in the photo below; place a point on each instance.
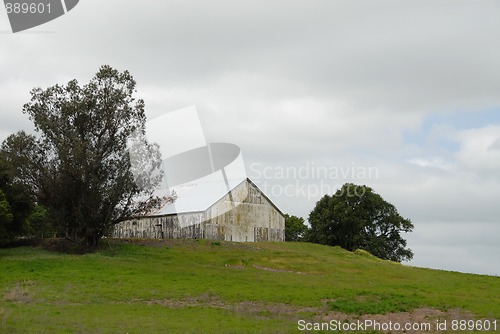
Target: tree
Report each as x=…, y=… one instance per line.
x=357, y=217
x=6, y=217
x=17, y=204
x=78, y=167
x=295, y=229
x=38, y=224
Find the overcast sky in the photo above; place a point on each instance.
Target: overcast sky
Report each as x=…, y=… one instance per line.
x=403, y=96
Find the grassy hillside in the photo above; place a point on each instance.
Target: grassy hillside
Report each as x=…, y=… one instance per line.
x=190, y=286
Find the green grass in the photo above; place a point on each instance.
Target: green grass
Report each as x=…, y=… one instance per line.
x=189, y=286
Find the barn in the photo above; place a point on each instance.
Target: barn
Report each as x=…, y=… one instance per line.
x=235, y=210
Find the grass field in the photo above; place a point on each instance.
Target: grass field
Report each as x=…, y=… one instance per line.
x=199, y=286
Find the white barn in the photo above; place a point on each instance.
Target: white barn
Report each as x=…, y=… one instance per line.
x=233, y=211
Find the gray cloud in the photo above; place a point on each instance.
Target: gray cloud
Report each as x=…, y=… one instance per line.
x=463, y=247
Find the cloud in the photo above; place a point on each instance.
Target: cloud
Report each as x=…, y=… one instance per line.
x=495, y=146
x=13, y=95
x=390, y=55
x=250, y=109
x=463, y=247
x=430, y=194
x=479, y=151
x=433, y=162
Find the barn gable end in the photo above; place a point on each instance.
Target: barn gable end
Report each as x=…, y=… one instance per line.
x=255, y=218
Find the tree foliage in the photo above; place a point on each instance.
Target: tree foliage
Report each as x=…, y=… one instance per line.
x=38, y=224
x=295, y=228
x=356, y=217
x=16, y=204
x=6, y=217
x=78, y=167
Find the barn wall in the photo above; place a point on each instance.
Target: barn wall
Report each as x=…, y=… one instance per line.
x=179, y=226
x=254, y=219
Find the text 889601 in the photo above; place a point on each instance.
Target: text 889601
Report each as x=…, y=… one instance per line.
x=25, y=7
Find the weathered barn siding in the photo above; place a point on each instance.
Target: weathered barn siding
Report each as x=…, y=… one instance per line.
x=178, y=226
x=254, y=219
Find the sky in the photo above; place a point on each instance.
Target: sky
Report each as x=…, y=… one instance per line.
x=402, y=96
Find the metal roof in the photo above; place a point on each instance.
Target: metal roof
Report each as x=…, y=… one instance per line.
x=196, y=196
x=200, y=195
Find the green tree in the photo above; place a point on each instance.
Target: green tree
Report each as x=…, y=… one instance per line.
x=78, y=167
x=357, y=217
x=19, y=201
x=6, y=217
x=295, y=229
x=38, y=224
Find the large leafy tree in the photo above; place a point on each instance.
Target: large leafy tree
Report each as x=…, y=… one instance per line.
x=357, y=217
x=6, y=218
x=295, y=228
x=79, y=167
x=16, y=204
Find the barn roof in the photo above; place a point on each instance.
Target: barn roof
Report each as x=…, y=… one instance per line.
x=200, y=195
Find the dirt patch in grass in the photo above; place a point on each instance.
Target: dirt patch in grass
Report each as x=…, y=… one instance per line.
x=422, y=317
x=4, y=315
x=272, y=310
x=234, y=266
x=21, y=292
x=279, y=270
x=420, y=320
x=245, y=308
x=204, y=300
